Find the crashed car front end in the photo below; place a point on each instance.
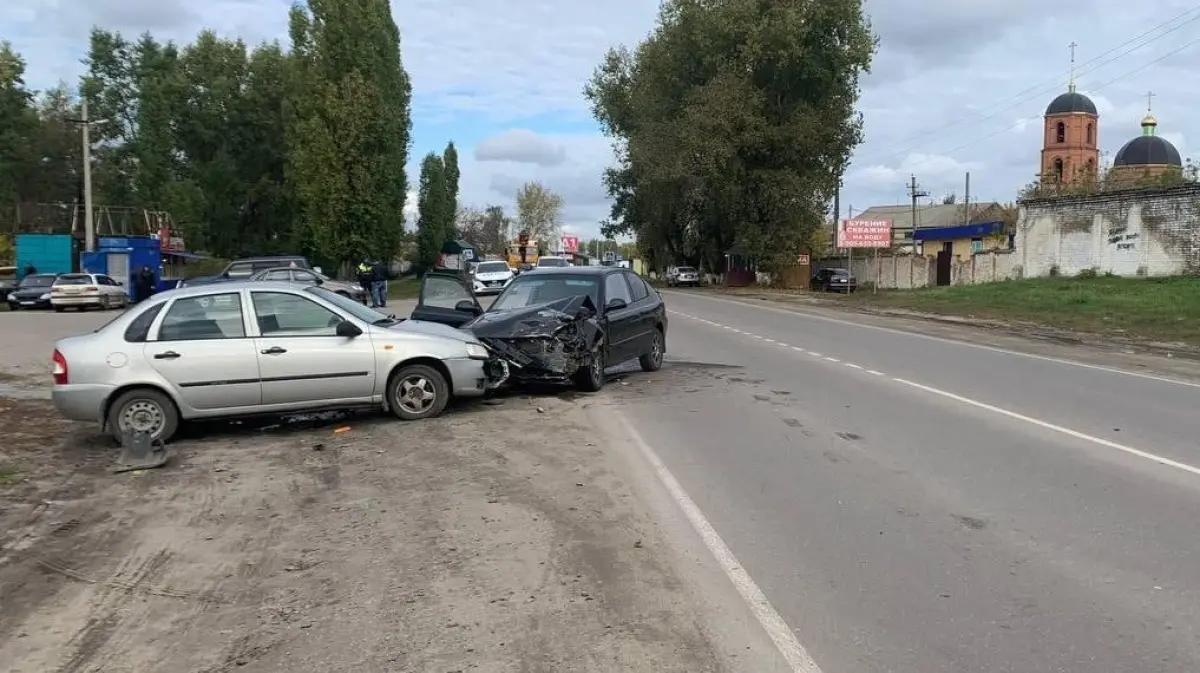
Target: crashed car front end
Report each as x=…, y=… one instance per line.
x=547, y=343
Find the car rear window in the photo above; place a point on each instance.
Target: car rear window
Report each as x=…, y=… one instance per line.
x=686, y=269
x=492, y=267
x=75, y=279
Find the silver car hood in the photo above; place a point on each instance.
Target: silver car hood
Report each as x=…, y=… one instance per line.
x=432, y=329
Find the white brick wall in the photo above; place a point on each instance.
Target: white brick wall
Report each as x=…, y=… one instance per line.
x=1150, y=232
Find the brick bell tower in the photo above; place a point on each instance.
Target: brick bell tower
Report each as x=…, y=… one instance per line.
x=1071, y=144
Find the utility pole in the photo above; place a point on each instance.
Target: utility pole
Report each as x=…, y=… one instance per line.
x=89, y=221
x=914, y=193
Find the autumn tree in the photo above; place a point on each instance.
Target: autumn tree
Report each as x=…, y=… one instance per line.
x=486, y=229
x=732, y=122
x=539, y=212
x=350, y=128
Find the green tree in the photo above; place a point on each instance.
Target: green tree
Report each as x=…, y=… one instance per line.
x=450, y=162
x=539, y=212
x=18, y=128
x=435, y=214
x=733, y=122
x=349, y=128
x=486, y=229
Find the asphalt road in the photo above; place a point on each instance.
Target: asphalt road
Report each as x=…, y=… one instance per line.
x=915, y=505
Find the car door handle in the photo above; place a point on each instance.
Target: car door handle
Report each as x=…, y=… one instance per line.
x=274, y=350
x=169, y=355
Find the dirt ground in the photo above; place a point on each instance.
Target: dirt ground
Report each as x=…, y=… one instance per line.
x=496, y=538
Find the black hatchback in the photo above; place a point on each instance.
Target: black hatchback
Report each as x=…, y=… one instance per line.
x=556, y=325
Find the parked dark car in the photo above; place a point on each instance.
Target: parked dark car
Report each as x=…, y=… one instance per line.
x=834, y=280
x=8, y=281
x=546, y=326
x=242, y=269
x=32, y=292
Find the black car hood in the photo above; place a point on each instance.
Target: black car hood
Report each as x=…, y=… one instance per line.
x=541, y=320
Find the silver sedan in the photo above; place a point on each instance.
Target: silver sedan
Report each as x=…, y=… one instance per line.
x=259, y=347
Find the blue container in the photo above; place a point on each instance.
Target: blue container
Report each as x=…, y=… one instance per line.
x=122, y=256
x=48, y=253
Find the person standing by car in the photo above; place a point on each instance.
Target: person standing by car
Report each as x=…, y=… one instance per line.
x=143, y=284
x=379, y=284
x=30, y=270
x=364, y=279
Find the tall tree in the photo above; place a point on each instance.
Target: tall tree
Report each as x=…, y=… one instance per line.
x=539, y=212
x=450, y=162
x=733, y=122
x=18, y=126
x=435, y=214
x=351, y=129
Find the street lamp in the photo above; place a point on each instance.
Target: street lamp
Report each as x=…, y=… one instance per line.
x=89, y=223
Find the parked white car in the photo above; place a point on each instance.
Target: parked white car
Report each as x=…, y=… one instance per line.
x=87, y=290
x=244, y=348
x=491, y=277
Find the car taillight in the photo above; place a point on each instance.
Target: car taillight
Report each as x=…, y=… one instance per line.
x=60, y=368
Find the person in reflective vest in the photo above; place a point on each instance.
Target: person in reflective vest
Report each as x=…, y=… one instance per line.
x=364, y=279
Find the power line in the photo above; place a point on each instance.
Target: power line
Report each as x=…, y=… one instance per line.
x=1093, y=90
x=1042, y=89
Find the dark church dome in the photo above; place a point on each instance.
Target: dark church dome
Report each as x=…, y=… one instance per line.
x=1071, y=101
x=1148, y=149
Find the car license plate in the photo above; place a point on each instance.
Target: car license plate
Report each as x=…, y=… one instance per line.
x=27, y=303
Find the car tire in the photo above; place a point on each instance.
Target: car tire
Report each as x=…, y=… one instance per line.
x=149, y=408
x=590, y=379
x=653, y=361
x=105, y=303
x=415, y=392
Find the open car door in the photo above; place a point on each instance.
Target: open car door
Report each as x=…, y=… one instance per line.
x=447, y=299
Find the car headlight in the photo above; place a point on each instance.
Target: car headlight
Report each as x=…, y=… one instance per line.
x=46, y=296
x=478, y=352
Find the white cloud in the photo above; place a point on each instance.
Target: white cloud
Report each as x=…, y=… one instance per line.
x=520, y=146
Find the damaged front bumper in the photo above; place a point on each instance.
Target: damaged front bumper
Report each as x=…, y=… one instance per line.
x=543, y=344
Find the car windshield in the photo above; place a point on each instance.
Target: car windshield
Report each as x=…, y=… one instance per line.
x=38, y=281
x=541, y=288
x=686, y=269
x=492, y=267
x=74, y=279
x=552, y=261
x=348, y=305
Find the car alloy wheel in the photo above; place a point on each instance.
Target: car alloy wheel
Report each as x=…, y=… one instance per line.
x=417, y=391
x=652, y=360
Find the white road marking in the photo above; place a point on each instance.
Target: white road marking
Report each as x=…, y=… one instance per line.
x=797, y=348
x=876, y=373
x=833, y=359
x=768, y=617
x=966, y=344
x=853, y=366
x=1057, y=428
x=815, y=354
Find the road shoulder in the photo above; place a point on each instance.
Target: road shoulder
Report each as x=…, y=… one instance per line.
x=498, y=537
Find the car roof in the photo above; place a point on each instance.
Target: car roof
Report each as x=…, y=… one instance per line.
x=233, y=286
x=575, y=270
x=268, y=258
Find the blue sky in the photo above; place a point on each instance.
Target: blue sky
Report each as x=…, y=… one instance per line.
x=504, y=81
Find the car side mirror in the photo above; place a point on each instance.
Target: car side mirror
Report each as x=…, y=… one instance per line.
x=318, y=269
x=348, y=329
x=616, y=304
x=468, y=306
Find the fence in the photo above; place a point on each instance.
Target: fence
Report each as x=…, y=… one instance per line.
x=903, y=272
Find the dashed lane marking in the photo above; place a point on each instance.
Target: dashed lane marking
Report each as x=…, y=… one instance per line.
x=1129, y=450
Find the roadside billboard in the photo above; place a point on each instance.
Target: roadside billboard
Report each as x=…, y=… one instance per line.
x=570, y=244
x=864, y=234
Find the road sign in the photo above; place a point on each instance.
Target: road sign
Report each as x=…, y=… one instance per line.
x=802, y=260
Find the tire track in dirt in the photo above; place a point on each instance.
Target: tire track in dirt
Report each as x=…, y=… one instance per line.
x=109, y=599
